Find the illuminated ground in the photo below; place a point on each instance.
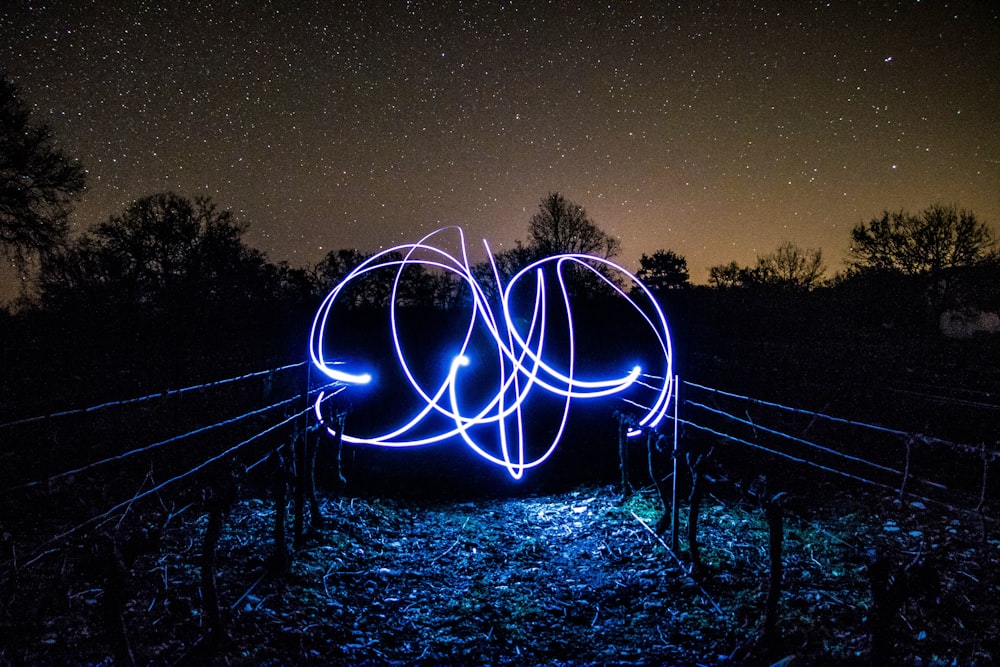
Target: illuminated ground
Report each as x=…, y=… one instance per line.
x=572, y=578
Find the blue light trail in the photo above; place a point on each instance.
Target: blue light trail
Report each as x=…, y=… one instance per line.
x=536, y=350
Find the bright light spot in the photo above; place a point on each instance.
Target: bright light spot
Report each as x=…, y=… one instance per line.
x=535, y=351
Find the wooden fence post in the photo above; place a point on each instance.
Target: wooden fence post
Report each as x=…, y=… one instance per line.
x=280, y=559
x=339, y=481
x=311, y=446
x=774, y=511
x=114, y=599
x=623, y=426
x=697, y=491
x=219, y=498
x=299, y=470
x=655, y=440
x=675, y=515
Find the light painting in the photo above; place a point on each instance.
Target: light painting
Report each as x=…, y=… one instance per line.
x=515, y=358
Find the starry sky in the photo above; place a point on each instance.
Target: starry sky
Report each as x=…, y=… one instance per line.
x=716, y=129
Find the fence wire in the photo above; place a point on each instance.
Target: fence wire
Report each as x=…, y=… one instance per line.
x=148, y=397
x=56, y=542
x=980, y=452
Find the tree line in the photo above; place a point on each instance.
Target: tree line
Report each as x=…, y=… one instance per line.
x=167, y=255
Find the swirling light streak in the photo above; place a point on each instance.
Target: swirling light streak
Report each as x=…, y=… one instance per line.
x=523, y=361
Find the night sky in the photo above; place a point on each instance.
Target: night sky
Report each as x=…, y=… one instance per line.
x=718, y=130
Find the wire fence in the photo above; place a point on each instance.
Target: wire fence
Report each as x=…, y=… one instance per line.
x=148, y=397
x=726, y=416
x=108, y=471
x=268, y=410
x=926, y=439
x=949, y=474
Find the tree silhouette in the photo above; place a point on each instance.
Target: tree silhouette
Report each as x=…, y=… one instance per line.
x=560, y=226
x=166, y=286
x=335, y=266
x=937, y=239
x=663, y=270
x=37, y=182
x=725, y=276
x=291, y=286
x=494, y=276
x=416, y=286
x=163, y=252
x=788, y=267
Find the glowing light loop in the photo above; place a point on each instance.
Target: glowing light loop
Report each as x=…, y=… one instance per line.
x=525, y=361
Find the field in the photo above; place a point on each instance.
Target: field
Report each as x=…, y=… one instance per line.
x=432, y=561
x=570, y=578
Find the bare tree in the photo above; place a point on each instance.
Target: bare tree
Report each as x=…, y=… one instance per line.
x=724, y=276
x=939, y=238
x=561, y=226
x=790, y=267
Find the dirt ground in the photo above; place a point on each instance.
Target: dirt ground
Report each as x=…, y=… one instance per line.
x=574, y=578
